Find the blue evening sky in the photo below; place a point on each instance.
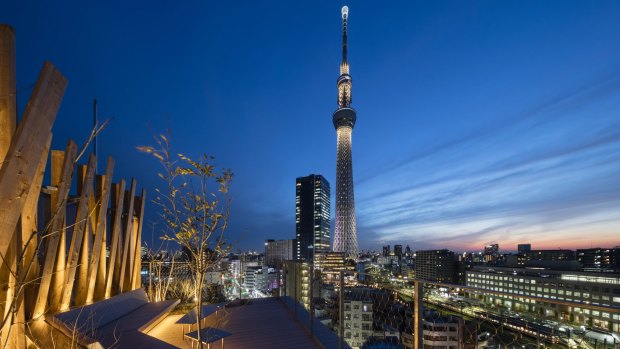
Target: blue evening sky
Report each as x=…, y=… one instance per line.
x=478, y=121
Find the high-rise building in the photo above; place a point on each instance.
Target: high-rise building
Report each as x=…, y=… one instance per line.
x=345, y=234
x=491, y=252
x=312, y=216
x=435, y=265
x=398, y=251
x=278, y=251
x=386, y=250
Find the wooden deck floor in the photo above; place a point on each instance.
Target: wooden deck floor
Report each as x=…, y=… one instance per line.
x=264, y=323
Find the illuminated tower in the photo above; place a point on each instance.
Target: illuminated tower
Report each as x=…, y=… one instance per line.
x=345, y=236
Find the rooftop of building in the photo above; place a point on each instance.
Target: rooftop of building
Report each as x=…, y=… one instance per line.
x=260, y=323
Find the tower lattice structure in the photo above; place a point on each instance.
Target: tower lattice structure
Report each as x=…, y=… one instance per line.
x=345, y=236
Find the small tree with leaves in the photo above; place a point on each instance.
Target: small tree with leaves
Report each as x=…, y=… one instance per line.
x=195, y=206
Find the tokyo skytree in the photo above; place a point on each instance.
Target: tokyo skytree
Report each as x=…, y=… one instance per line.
x=345, y=235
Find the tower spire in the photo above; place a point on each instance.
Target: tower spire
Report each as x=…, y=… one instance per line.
x=344, y=66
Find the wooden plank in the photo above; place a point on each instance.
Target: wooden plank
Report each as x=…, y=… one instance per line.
x=114, y=265
x=127, y=241
x=7, y=291
x=54, y=231
x=29, y=237
x=137, y=279
x=8, y=96
x=58, y=208
x=81, y=275
x=25, y=266
x=99, y=291
x=79, y=230
x=81, y=282
x=95, y=256
x=27, y=147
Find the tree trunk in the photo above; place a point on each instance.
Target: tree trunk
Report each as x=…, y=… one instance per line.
x=199, y=291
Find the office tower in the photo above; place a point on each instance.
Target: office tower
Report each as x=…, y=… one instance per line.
x=278, y=251
x=345, y=235
x=312, y=216
x=491, y=252
x=398, y=251
x=435, y=265
x=386, y=250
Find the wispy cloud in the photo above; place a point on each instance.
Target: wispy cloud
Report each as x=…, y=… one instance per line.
x=551, y=172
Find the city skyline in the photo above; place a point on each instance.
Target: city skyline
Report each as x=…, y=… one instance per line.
x=482, y=123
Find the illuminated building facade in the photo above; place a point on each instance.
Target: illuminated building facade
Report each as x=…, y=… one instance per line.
x=330, y=264
x=578, y=291
x=605, y=260
x=398, y=251
x=299, y=280
x=550, y=255
x=312, y=217
x=345, y=236
x=491, y=252
x=278, y=251
x=435, y=265
x=358, y=320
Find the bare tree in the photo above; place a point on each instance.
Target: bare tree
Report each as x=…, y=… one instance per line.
x=161, y=268
x=195, y=206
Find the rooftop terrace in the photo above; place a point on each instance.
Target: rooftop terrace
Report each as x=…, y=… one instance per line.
x=262, y=323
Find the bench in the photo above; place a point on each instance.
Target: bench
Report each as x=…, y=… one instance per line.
x=208, y=335
x=118, y=322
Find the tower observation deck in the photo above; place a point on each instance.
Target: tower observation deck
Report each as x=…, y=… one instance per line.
x=345, y=235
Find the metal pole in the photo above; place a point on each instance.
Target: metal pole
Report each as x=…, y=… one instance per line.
x=341, y=311
x=418, y=315
x=311, y=272
x=295, y=293
x=285, y=281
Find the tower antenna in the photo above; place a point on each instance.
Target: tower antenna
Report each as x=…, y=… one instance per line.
x=95, y=128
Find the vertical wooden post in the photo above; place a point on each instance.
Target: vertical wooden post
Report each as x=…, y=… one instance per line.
x=61, y=179
x=53, y=235
x=8, y=98
x=126, y=261
x=79, y=230
x=98, y=247
x=8, y=120
x=114, y=262
x=137, y=279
